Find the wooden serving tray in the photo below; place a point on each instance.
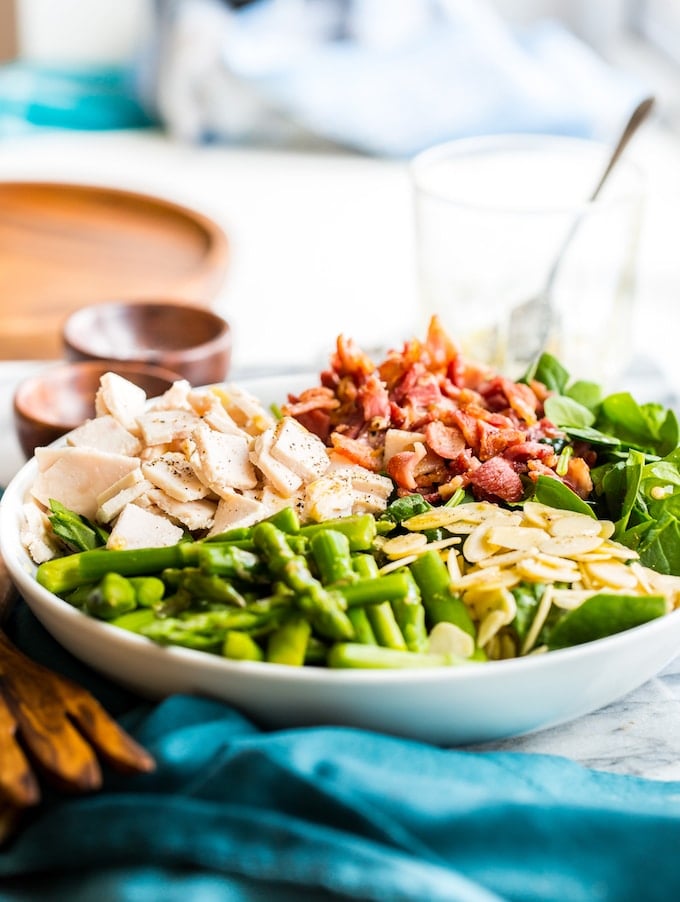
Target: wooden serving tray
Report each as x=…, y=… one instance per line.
x=65, y=245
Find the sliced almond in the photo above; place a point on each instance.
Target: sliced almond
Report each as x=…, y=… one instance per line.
x=537, y=570
x=507, y=559
x=447, y=638
x=477, y=546
x=611, y=575
x=402, y=546
x=512, y=537
x=398, y=564
x=453, y=564
x=575, y=525
x=567, y=545
x=540, y=616
x=489, y=627
x=491, y=576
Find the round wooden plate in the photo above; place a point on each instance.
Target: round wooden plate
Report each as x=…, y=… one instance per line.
x=66, y=245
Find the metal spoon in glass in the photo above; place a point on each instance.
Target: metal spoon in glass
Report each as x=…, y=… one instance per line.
x=532, y=322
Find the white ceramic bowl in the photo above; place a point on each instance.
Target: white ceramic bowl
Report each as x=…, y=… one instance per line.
x=449, y=706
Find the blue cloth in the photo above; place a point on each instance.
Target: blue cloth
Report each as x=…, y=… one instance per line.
x=91, y=98
x=237, y=813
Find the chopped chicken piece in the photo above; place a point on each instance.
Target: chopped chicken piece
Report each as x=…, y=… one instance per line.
x=111, y=507
x=36, y=534
x=298, y=449
x=122, y=399
x=137, y=527
x=223, y=460
x=78, y=476
x=173, y=473
x=211, y=409
x=347, y=490
x=363, y=480
x=195, y=515
x=398, y=440
x=126, y=482
x=246, y=410
x=163, y=427
x=175, y=398
x=106, y=434
x=283, y=479
x=235, y=510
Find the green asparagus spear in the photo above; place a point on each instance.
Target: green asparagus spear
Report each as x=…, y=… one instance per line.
x=354, y=655
x=231, y=562
x=149, y=590
x=325, y=607
x=359, y=529
x=331, y=553
x=62, y=574
x=209, y=587
x=112, y=596
x=241, y=647
x=409, y=613
x=432, y=577
x=288, y=644
x=363, y=630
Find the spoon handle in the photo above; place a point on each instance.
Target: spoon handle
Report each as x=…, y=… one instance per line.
x=637, y=117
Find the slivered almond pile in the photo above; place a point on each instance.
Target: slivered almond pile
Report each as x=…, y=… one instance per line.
x=492, y=550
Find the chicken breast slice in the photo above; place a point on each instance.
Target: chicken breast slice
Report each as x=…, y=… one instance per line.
x=122, y=399
x=137, y=527
x=223, y=460
x=111, y=506
x=173, y=473
x=77, y=476
x=345, y=491
x=235, y=510
x=281, y=477
x=36, y=535
x=195, y=515
x=208, y=406
x=105, y=433
x=244, y=408
x=163, y=427
x=175, y=398
x=299, y=449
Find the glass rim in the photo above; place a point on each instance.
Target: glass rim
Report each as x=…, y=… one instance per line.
x=465, y=147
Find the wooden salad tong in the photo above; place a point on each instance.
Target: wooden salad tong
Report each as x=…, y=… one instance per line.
x=52, y=724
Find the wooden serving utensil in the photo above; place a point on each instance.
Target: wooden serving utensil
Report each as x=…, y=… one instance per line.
x=51, y=723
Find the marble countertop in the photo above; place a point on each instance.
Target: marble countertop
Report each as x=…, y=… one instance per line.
x=321, y=241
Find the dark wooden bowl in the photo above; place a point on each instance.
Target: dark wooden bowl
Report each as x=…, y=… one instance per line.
x=61, y=397
x=187, y=339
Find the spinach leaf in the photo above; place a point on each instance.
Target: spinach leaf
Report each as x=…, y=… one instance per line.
x=566, y=412
x=76, y=532
x=589, y=394
x=593, y=436
x=548, y=370
x=555, y=493
x=527, y=597
x=648, y=427
x=603, y=615
x=659, y=547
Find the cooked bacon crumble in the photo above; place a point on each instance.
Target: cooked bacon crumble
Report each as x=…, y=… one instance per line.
x=467, y=425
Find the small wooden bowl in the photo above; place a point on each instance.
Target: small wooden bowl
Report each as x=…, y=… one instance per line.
x=61, y=397
x=187, y=339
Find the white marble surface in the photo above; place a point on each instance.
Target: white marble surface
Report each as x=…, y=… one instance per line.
x=322, y=244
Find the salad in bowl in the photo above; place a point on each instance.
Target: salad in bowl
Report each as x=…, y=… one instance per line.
x=419, y=545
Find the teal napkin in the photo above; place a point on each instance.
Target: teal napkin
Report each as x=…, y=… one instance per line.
x=238, y=813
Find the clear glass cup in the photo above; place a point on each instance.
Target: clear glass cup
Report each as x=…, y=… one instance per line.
x=515, y=259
